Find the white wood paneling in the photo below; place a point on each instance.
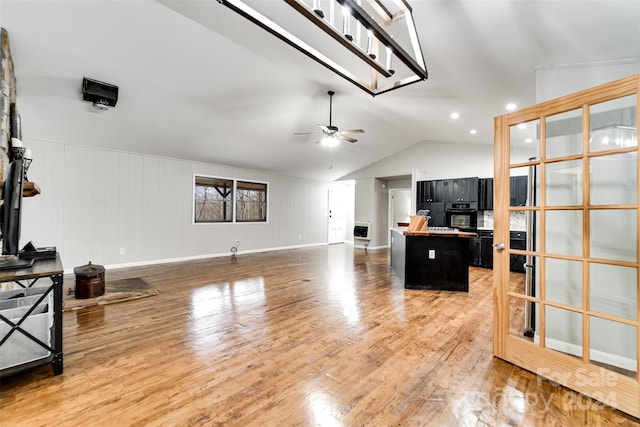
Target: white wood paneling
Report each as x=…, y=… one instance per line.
x=95, y=202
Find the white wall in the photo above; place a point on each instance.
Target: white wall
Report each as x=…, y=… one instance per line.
x=365, y=205
x=554, y=82
x=435, y=160
x=96, y=201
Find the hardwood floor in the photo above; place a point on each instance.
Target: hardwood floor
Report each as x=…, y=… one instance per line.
x=320, y=336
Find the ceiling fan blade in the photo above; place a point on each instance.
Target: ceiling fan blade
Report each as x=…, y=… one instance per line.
x=346, y=138
x=305, y=133
x=352, y=131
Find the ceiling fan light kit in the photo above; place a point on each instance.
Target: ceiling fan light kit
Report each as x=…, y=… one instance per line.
x=332, y=135
x=388, y=27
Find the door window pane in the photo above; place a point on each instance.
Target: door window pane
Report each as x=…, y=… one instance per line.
x=524, y=142
x=564, y=134
x=526, y=284
x=522, y=315
x=614, y=234
x=563, y=279
x=564, y=232
x=564, y=183
x=613, y=124
x=613, y=290
x=524, y=186
x=614, y=179
x=563, y=331
x=614, y=345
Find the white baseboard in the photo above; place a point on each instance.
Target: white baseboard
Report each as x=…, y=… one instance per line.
x=373, y=248
x=196, y=257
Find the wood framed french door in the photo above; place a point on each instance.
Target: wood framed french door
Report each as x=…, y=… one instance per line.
x=572, y=317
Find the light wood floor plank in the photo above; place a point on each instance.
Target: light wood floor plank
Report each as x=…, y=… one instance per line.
x=319, y=336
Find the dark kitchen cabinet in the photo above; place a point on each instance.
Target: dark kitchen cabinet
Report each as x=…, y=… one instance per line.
x=462, y=190
x=482, y=249
x=436, y=213
x=432, y=191
x=485, y=194
x=434, y=195
x=486, y=246
x=447, y=190
x=431, y=195
x=518, y=191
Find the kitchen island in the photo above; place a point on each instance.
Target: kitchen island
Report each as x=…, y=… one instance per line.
x=432, y=260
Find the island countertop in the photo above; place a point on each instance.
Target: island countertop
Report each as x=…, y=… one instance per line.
x=438, y=233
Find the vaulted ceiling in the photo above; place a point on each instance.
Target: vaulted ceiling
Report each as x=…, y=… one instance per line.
x=199, y=82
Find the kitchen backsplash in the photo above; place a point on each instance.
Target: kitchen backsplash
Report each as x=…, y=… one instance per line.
x=516, y=221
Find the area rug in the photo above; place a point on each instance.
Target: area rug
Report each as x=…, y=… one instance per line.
x=114, y=291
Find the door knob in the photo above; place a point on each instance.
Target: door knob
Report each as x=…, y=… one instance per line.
x=498, y=246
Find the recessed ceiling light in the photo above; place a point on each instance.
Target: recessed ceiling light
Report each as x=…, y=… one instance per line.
x=511, y=106
x=473, y=131
x=455, y=115
x=522, y=126
x=528, y=140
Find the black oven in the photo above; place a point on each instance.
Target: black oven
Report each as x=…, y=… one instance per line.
x=463, y=216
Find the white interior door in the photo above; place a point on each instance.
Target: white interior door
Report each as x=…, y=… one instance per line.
x=400, y=206
x=337, y=216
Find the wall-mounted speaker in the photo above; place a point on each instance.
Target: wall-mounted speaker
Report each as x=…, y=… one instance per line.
x=102, y=95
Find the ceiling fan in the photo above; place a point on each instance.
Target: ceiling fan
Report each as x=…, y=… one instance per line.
x=331, y=135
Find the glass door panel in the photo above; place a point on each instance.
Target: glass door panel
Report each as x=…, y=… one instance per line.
x=563, y=280
x=613, y=179
x=521, y=316
x=524, y=142
x=614, y=234
x=564, y=134
x=564, y=183
x=613, y=290
x=524, y=183
x=519, y=283
x=613, y=124
x=564, y=232
x=563, y=331
x=613, y=345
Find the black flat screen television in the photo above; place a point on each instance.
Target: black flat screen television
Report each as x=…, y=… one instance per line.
x=10, y=216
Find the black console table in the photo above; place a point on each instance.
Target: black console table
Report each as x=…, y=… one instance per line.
x=30, y=297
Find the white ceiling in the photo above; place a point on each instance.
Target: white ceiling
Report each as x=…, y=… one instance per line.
x=199, y=82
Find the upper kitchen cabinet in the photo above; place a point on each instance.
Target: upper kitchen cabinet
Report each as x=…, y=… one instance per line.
x=517, y=192
x=448, y=190
x=462, y=190
x=432, y=191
